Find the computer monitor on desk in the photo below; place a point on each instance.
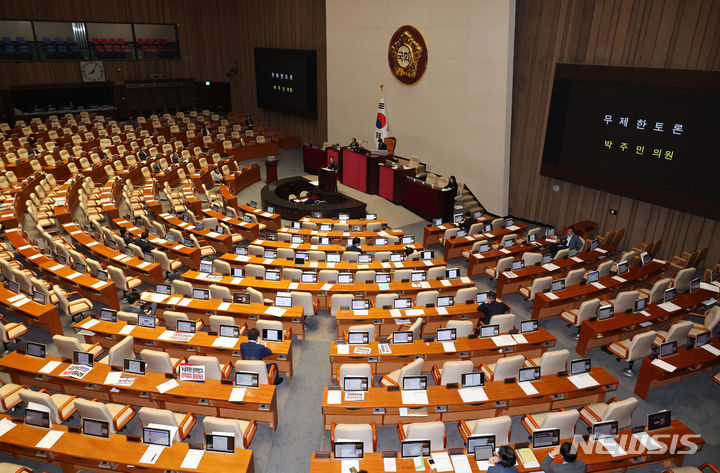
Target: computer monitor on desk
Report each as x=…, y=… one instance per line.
x=607, y=429
x=479, y=441
x=659, y=420
x=415, y=448
x=544, y=438
x=220, y=443
x=96, y=428
x=348, y=450
x=156, y=436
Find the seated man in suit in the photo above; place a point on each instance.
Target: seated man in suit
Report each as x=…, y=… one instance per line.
x=142, y=154
x=570, y=462
x=492, y=307
x=354, y=144
x=381, y=144
x=355, y=245
x=143, y=243
x=467, y=222
x=571, y=240
x=253, y=350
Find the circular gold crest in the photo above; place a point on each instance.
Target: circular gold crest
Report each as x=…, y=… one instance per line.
x=407, y=55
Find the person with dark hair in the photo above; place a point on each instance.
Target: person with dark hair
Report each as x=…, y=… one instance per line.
x=248, y=122
x=570, y=463
x=452, y=185
x=504, y=461
x=143, y=153
x=124, y=235
x=467, y=222
x=254, y=350
x=355, y=245
x=492, y=307
x=571, y=240
x=354, y=144
x=143, y=243
x=381, y=144
x=206, y=130
x=332, y=164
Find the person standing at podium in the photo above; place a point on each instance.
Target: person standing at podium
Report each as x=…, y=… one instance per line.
x=332, y=165
x=354, y=144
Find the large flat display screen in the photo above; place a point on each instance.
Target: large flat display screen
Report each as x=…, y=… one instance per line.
x=286, y=81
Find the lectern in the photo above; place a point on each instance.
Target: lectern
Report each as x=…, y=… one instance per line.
x=327, y=180
x=271, y=170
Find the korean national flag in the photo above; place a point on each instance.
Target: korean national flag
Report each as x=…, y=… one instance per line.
x=381, y=123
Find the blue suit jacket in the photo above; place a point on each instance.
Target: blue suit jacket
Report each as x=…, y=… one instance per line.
x=254, y=351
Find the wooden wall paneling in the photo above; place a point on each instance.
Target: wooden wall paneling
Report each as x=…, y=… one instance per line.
x=643, y=33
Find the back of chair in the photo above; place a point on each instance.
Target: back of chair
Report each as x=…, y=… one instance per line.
x=66, y=346
x=414, y=368
x=433, y=431
x=94, y=410
x=120, y=351
x=552, y=362
x=625, y=301
x=508, y=367
x=683, y=278
x=604, y=268
x=157, y=361
x=641, y=346
x=453, y=370
x=217, y=320
x=182, y=287
x=253, y=366
x=678, y=332
x=463, y=328
x=657, y=293
x=354, y=370
x=211, y=364
x=424, y=298
x=621, y=411
x=563, y=420
x=498, y=426
x=150, y=415
x=27, y=396
x=506, y=322
x=369, y=328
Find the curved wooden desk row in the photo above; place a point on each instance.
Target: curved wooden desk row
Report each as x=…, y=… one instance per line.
x=189, y=256
x=479, y=262
x=324, y=290
x=478, y=350
x=687, y=362
x=104, y=292
x=352, y=221
x=221, y=242
x=271, y=220
x=600, y=460
x=446, y=404
x=598, y=333
x=75, y=452
x=39, y=315
x=454, y=247
x=552, y=304
x=13, y=215
x=397, y=248
x=343, y=266
x=150, y=273
x=433, y=233
x=387, y=321
x=306, y=233
x=510, y=282
x=207, y=399
x=244, y=313
x=248, y=230
x=202, y=343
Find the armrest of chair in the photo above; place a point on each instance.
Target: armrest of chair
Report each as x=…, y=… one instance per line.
x=316, y=305
x=463, y=429
x=400, y=431
x=183, y=428
x=93, y=346
x=530, y=361
x=178, y=363
x=695, y=314
x=389, y=380
x=484, y=366
x=63, y=406
x=529, y=418
x=226, y=370
x=592, y=413
x=249, y=434
x=120, y=413
x=709, y=465
x=288, y=333
x=272, y=374
x=6, y=406
x=435, y=374
x=243, y=328
x=14, y=325
x=4, y=320
x=199, y=324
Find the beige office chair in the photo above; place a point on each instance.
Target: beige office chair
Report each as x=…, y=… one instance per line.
x=563, y=420
x=426, y=298
x=463, y=328
x=182, y=288
x=60, y=406
x=365, y=433
x=551, y=362
x=305, y=300
x=466, y=295
x=574, y=277
x=291, y=274
x=505, y=322
x=340, y=301
x=11, y=331
x=119, y=352
x=213, y=369
x=576, y=317
x=328, y=275
x=255, y=271
x=220, y=292
x=657, y=291
x=71, y=307
x=258, y=367
x=710, y=321
x=636, y=349
x=217, y=320
x=273, y=325
x=67, y=345
x=683, y=278
x=539, y=285
x=498, y=426
x=172, y=317
x=433, y=431
x=116, y=415
x=395, y=378
x=160, y=361
x=451, y=371
x=615, y=409
x=124, y=283
x=503, y=368
x=385, y=300
x=241, y=429
x=7, y=467
x=503, y=264
x=604, y=268
x=353, y=370
x=167, y=265
x=369, y=328
x=678, y=332
x=183, y=422
x=9, y=395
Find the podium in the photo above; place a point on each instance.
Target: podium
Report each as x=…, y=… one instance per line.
x=271, y=170
x=327, y=180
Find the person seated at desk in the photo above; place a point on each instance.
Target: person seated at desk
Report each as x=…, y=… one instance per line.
x=332, y=165
x=143, y=243
x=572, y=241
x=142, y=154
x=31, y=140
x=381, y=144
x=493, y=306
x=504, y=461
x=206, y=130
x=217, y=176
x=570, y=462
x=467, y=222
x=452, y=185
x=249, y=122
x=123, y=234
x=355, y=245
x=354, y=144
x=175, y=158
x=253, y=350
x=156, y=167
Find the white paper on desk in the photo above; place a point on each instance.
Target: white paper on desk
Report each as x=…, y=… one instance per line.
x=21, y=302
x=664, y=365
x=119, y=257
x=385, y=264
x=442, y=461
x=152, y=454
x=363, y=266
x=244, y=258
x=113, y=377
x=449, y=347
x=414, y=312
x=237, y=395
x=710, y=287
x=552, y=296
x=166, y=335
x=597, y=285
x=192, y=459
x=584, y=380
x=174, y=300
x=669, y=307
x=445, y=282
x=334, y=397
x=93, y=243
x=268, y=261
x=49, y=367
x=509, y=274
x=414, y=397
x=360, y=312
x=90, y=324
x=167, y=386
x=330, y=265
x=655, y=260
x=465, y=280
x=346, y=466
x=619, y=279
x=576, y=259
x=504, y=250
x=519, y=338
x=326, y=287
x=482, y=465
x=56, y=267
x=711, y=349
x=35, y=256
x=212, y=234
x=398, y=264
x=389, y=464
x=645, y=313
x=504, y=340
x=178, y=247
x=528, y=388
x=184, y=302
x=98, y=284
x=413, y=412
x=236, y=281
x=647, y=441
x=292, y=286
x=275, y=311
x=73, y=275
x=612, y=447
x=395, y=313
x=442, y=311
x=224, y=342
x=126, y=330
x=223, y=306
x=551, y=267
x=144, y=265
x=601, y=250
x=16, y=298
x=472, y=394
x=49, y=439
x=155, y=297
x=402, y=321
x=461, y=463
x=5, y=426
x=343, y=349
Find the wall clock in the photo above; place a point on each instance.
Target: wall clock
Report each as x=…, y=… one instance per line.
x=92, y=71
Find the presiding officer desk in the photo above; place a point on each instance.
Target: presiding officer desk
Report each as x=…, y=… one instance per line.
x=325, y=290
x=207, y=399
x=202, y=343
x=446, y=404
x=478, y=350
x=291, y=317
x=551, y=304
x=598, y=459
x=75, y=451
x=343, y=266
x=598, y=333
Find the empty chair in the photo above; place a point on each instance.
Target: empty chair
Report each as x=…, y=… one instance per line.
x=498, y=426
x=365, y=433
x=213, y=370
x=71, y=307
x=254, y=271
x=338, y=302
x=67, y=345
x=551, y=362
x=678, y=332
x=616, y=409
x=414, y=327
x=11, y=331
x=354, y=370
x=402, y=275
x=183, y=422
x=221, y=267
x=241, y=429
x=574, y=277
x=220, y=292
x=116, y=415
x=563, y=420
x=466, y=295
x=167, y=265
x=451, y=371
x=604, y=268
x=438, y=272
x=182, y=288
x=505, y=322
x=160, y=361
x=123, y=282
x=369, y=328
x=711, y=319
x=426, y=298
x=586, y=310
x=683, y=278
x=532, y=259
x=217, y=320
x=562, y=254
x=265, y=375
x=503, y=368
x=119, y=352
x=365, y=276
x=538, y=285
x=657, y=292
x=463, y=328
x=433, y=431
x=503, y=264
x=385, y=300
x=625, y=301
x=305, y=300
x=172, y=317
x=261, y=325
x=636, y=349
x=395, y=378
x=60, y=406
